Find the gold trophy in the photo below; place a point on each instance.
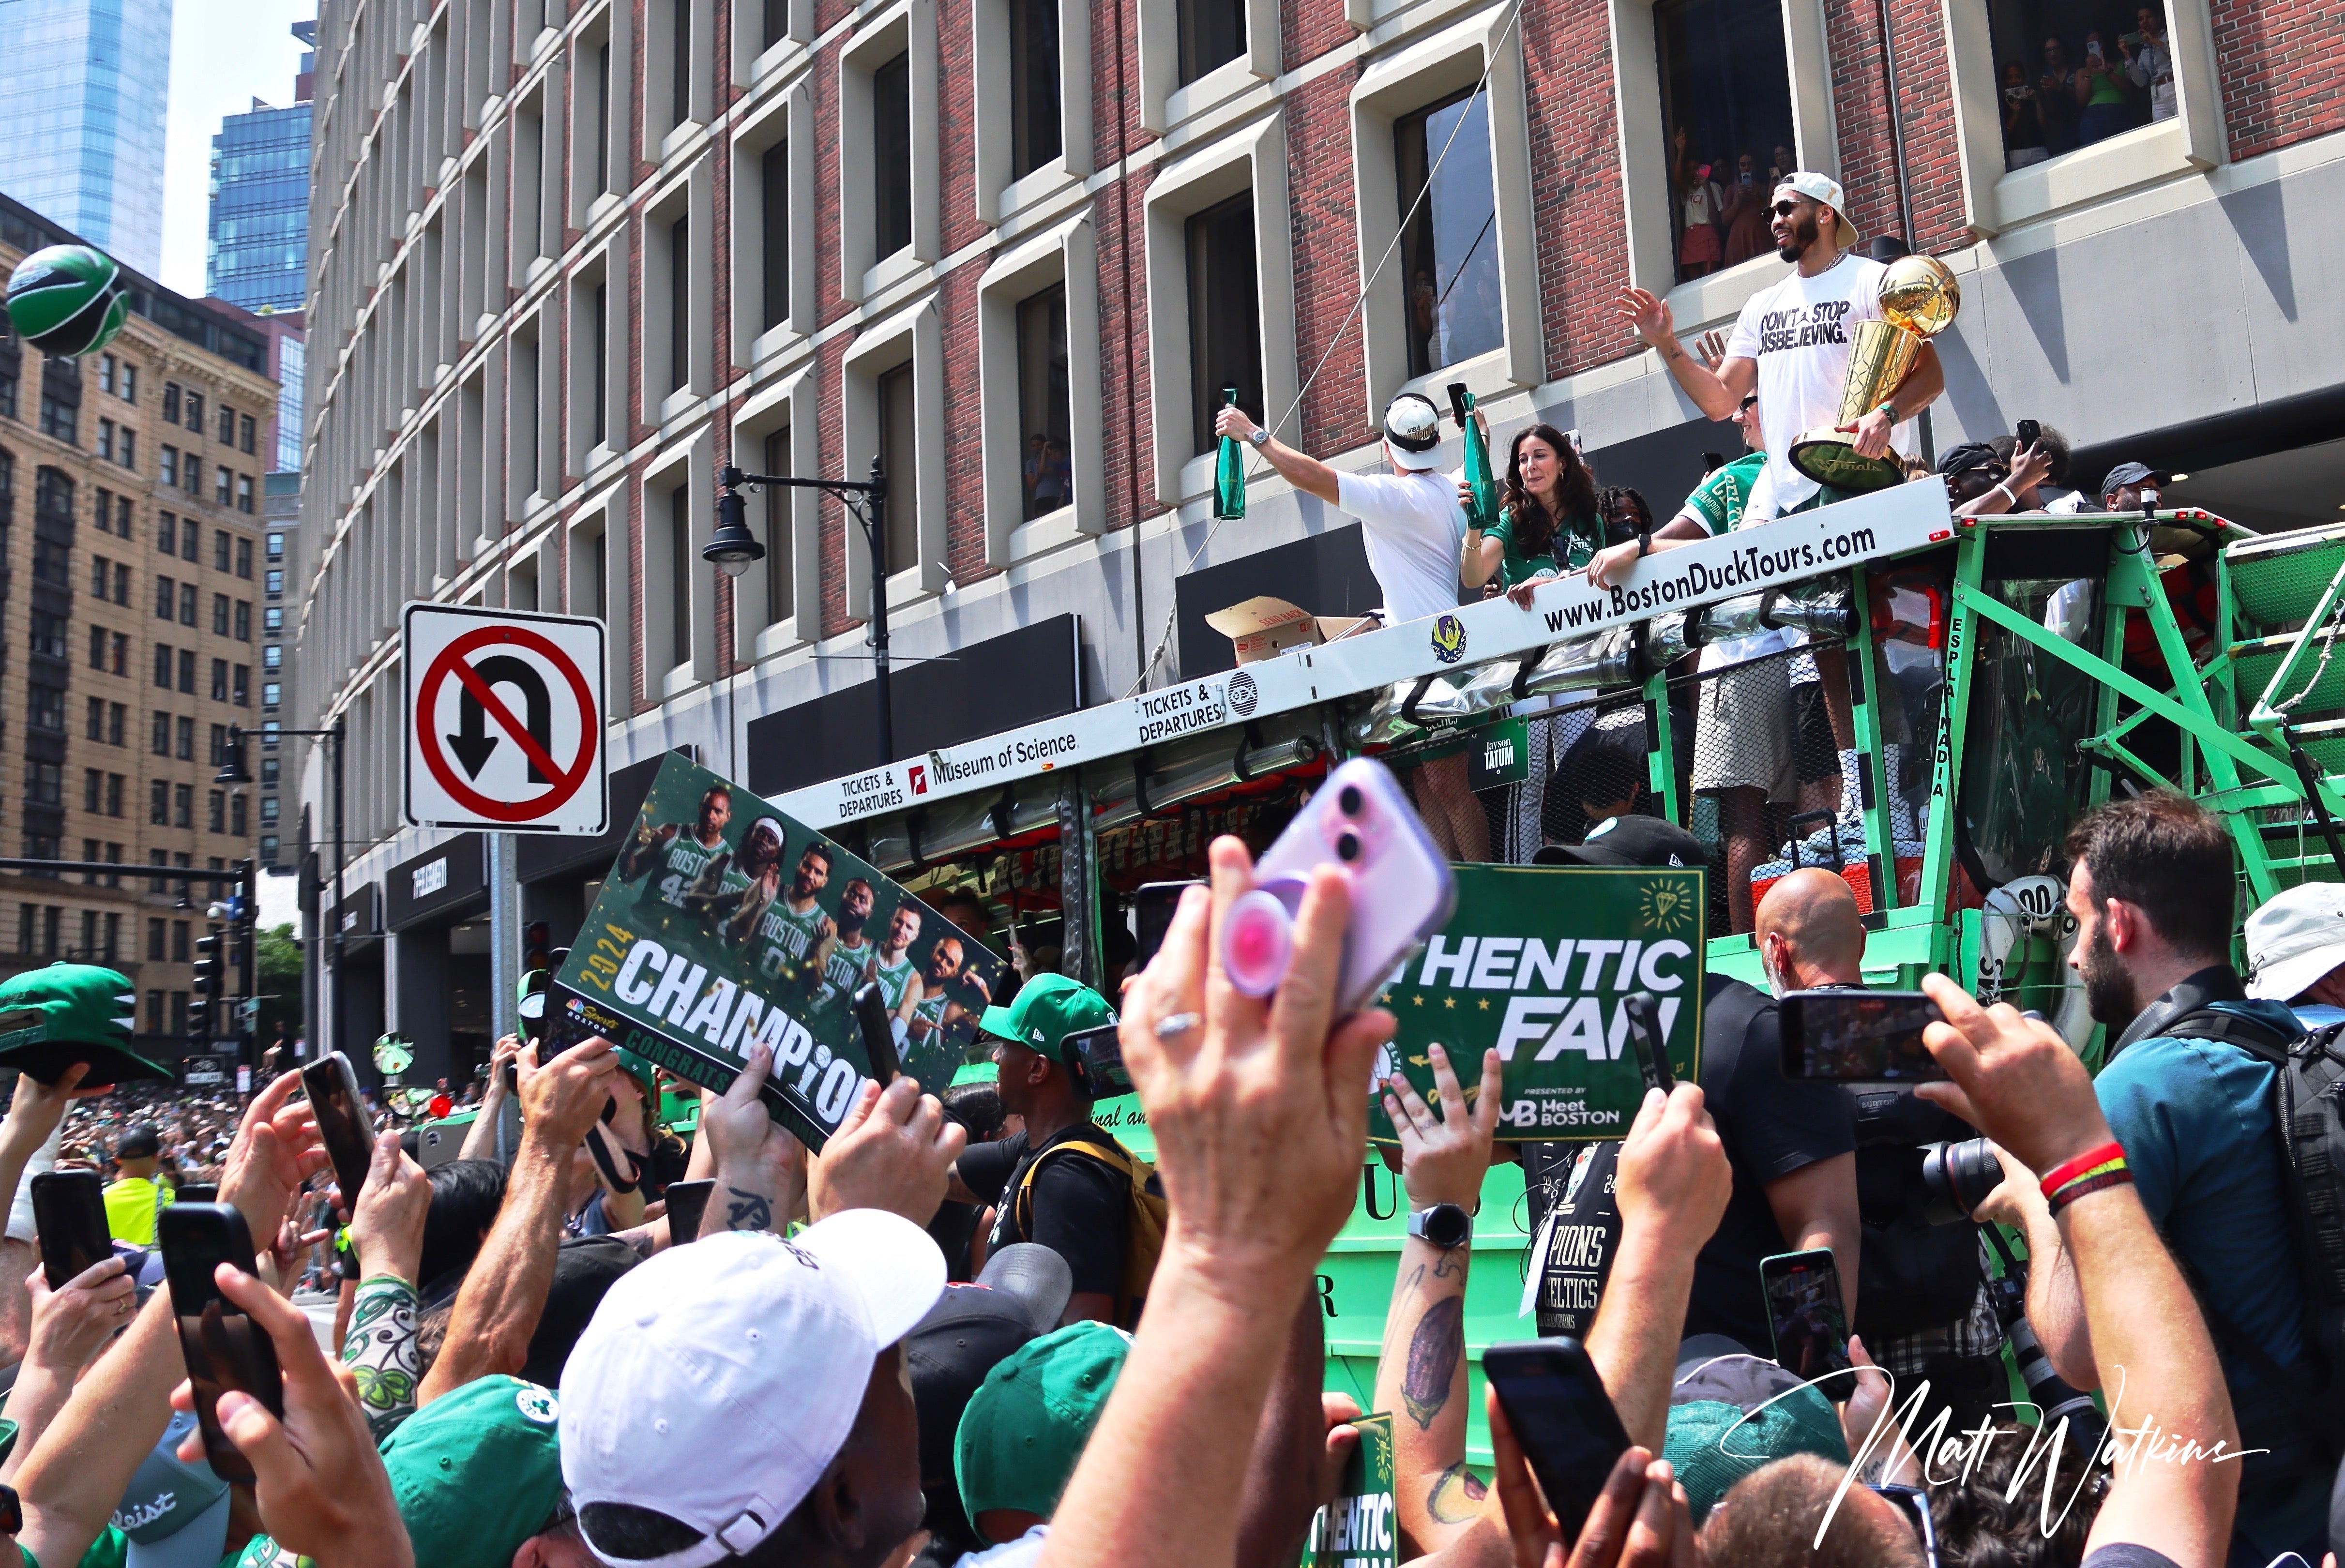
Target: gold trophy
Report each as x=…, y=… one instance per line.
x=1919, y=298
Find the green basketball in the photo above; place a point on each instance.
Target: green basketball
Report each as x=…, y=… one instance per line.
x=67, y=299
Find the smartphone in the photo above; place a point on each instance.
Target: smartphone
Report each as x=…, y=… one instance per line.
x=686, y=1202
x=531, y=1011
x=1644, y=1011
x=224, y=1348
x=69, y=1218
x=1402, y=892
x=2028, y=432
x=343, y=1125
x=1098, y=1066
x=1805, y=1315
x=878, y=1028
x=1858, y=1036
x=1151, y=915
x=1563, y=1418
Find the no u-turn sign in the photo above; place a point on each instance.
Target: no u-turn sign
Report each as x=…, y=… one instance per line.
x=504, y=720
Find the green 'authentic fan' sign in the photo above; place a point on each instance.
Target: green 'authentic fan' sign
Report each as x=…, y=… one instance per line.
x=1357, y=1529
x=1537, y=962
x=724, y=922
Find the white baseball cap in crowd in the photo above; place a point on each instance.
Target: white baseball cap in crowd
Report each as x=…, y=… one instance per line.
x=1412, y=432
x=718, y=1381
x=2298, y=936
x=1822, y=187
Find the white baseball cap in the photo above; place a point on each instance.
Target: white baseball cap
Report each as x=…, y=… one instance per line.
x=740, y=1344
x=2298, y=936
x=1412, y=432
x=1822, y=187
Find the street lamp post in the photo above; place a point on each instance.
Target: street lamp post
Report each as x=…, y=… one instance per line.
x=732, y=550
x=233, y=770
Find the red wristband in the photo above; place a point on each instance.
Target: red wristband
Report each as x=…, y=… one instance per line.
x=2082, y=1186
x=2064, y=1173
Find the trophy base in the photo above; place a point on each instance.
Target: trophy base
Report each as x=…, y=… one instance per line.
x=1830, y=457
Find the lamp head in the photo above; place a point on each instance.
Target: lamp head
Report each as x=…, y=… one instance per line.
x=733, y=549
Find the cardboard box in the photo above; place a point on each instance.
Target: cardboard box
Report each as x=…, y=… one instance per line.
x=1263, y=627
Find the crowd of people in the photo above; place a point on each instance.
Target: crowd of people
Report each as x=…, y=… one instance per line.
x=1125, y=1367
x=2119, y=78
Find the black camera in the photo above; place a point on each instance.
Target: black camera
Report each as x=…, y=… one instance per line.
x=1956, y=1179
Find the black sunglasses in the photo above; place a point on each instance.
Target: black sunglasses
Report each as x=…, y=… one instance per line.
x=1785, y=209
x=1747, y=402
x=1914, y=1503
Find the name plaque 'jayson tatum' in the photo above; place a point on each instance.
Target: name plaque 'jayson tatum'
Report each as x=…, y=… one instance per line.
x=1537, y=962
x=724, y=922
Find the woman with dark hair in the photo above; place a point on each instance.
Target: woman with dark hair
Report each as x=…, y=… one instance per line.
x=1548, y=520
x=1625, y=513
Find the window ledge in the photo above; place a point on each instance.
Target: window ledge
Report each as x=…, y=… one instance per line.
x=1485, y=375
x=676, y=403
x=1211, y=91
x=891, y=270
x=682, y=135
x=2142, y=156
x=773, y=342
x=1052, y=531
x=1035, y=189
x=780, y=638
x=678, y=681
x=1721, y=296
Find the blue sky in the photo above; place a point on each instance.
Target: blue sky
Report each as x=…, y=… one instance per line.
x=224, y=54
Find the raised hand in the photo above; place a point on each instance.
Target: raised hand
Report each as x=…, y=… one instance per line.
x=761, y=1166
x=1648, y=314
x=892, y=1150
x=561, y=1099
x=1444, y=1157
x=2014, y=1079
x=387, y=1229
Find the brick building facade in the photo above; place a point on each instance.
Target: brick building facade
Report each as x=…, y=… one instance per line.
x=562, y=272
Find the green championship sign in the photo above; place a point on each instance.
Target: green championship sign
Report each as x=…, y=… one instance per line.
x=724, y=922
x=1537, y=962
x=1357, y=1529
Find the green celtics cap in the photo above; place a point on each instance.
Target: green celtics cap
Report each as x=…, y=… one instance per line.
x=1046, y=1010
x=51, y=1018
x=477, y=1472
x=1027, y=1424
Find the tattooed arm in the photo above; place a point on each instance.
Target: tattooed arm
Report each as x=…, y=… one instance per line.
x=1421, y=1376
x=760, y=1168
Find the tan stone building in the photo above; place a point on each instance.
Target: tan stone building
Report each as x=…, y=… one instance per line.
x=134, y=597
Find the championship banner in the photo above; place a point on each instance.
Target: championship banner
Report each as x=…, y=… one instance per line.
x=1357, y=1529
x=724, y=922
x=1537, y=962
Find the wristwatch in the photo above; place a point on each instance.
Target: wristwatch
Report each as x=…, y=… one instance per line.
x=1259, y=437
x=1444, y=1225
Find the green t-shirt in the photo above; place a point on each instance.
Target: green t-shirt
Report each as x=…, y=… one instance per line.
x=1578, y=538
x=1718, y=500
x=2106, y=90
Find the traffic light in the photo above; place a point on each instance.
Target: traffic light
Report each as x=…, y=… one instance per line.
x=207, y=964
x=537, y=943
x=199, y=1021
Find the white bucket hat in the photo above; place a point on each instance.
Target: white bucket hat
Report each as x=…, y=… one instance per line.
x=2298, y=936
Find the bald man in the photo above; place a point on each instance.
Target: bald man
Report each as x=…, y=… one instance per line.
x=1811, y=933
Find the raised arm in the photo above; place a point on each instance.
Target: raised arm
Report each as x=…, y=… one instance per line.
x=504, y=1292
x=1304, y=472
x=1716, y=393
x=1422, y=1372
x=2017, y=1081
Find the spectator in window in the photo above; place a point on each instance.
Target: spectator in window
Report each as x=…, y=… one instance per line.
x=2104, y=95
x=1414, y=529
x=2023, y=120
x=1700, y=202
x=2056, y=99
x=1745, y=214
x=2148, y=64
x=1784, y=166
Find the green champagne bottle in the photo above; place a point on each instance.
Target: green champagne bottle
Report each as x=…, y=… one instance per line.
x=1229, y=469
x=1478, y=477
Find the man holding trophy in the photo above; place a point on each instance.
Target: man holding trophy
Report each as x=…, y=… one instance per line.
x=1838, y=357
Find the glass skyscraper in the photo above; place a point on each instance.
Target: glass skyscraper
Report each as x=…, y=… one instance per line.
x=82, y=107
x=260, y=247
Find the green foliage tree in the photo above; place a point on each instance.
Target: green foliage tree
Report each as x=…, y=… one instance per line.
x=279, y=962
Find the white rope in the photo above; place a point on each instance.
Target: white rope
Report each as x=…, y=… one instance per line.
x=1164, y=639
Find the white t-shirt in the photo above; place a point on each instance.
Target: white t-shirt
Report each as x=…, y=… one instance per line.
x=1802, y=333
x=1413, y=530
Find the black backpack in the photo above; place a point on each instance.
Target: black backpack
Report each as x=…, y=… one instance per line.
x=2304, y=1410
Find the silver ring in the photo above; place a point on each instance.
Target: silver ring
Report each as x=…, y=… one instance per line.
x=1177, y=1024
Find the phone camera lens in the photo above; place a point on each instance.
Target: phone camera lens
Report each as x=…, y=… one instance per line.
x=1347, y=847
x=1349, y=801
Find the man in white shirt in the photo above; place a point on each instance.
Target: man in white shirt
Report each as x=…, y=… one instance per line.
x=1413, y=530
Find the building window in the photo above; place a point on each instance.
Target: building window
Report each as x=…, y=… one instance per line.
x=117, y=715
x=163, y=665
x=48, y=634
x=92, y=789
x=243, y=686
x=270, y=770
x=192, y=479
x=8, y=389
x=161, y=745
x=1726, y=108
x=52, y=561
x=170, y=402
x=1033, y=85
x=244, y=556
x=98, y=574
x=94, y=719
x=184, y=730
x=780, y=587
x=45, y=709
x=216, y=811
x=244, y=620
x=680, y=62
x=898, y=450
x=179, y=943
x=186, y=604
x=122, y=580
x=276, y=547
x=217, y=756
x=271, y=691
x=1449, y=234
x=166, y=597
x=114, y=782
x=268, y=810
x=679, y=301
x=194, y=406
x=220, y=614
x=244, y=432
x=44, y=785
x=183, y=806
x=244, y=496
x=238, y=825
x=1224, y=314
x=188, y=671
x=106, y=440
x=188, y=537
x=220, y=680
x=61, y=420
x=275, y=583
x=269, y=840
x=226, y=426
x=97, y=652
x=1045, y=445
x=774, y=193
x=129, y=383
x=601, y=335
x=679, y=574
x=602, y=116
x=891, y=155
x=126, y=449
x=222, y=486
x=105, y=373
x=1212, y=33
x=167, y=524
x=272, y=620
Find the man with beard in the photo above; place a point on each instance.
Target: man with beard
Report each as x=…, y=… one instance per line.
x=936, y=1008
x=2190, y=1094
x=892, y=966
x=1792, y=345
x=797, y=934
x=733, y=890
x=850, y=952
x=677, y=854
